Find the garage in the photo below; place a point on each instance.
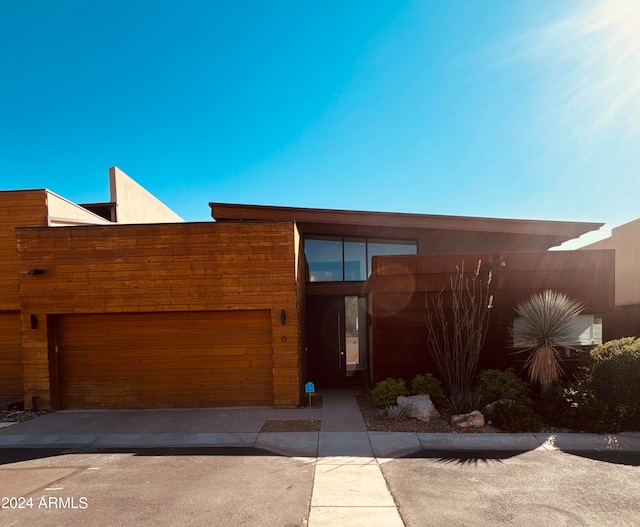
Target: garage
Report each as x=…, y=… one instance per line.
x=163, y=360
x=10, y=354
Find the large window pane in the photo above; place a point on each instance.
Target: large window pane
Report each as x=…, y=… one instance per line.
x=355, y=259
x=388, y=247
x=324, y=256
x=332, y=258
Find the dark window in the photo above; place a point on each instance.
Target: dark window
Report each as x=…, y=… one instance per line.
x=332, y=258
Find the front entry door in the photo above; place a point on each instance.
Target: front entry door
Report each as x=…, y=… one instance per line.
x=325, y=324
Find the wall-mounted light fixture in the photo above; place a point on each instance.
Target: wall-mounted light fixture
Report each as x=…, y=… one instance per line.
x=33, y=271
x=34, y=321
x=283, y=317
x=496, y=265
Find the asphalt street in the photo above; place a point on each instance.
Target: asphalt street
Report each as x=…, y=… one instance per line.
x=155, y=487
x=253, y=487
x=531, y=488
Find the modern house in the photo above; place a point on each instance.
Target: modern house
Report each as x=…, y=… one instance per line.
x=129, y=307
x=625, y=241
x=369, y=274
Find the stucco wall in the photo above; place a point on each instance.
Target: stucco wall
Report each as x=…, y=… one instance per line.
x=63, y=212
x=625, y=239
x=134, y=204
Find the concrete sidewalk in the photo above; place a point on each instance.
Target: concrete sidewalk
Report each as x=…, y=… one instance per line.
x=348, y=486
x=342, y=432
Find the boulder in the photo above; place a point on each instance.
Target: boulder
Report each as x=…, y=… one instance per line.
x=474, y=419
x=419, y=407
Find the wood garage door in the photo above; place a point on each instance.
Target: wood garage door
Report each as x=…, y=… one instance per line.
x=10, y=354
x=146, y=360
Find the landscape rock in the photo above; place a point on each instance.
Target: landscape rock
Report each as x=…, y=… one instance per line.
x=419, y=407
x=474, y=419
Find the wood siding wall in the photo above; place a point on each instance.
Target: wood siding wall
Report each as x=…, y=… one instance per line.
x=172, y=267
x=301, y=310
x=400, y=285
x=28, y=207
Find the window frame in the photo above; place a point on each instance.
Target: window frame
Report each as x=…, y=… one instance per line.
x=352, y=239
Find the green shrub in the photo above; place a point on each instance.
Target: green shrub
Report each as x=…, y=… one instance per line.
x=428, y=384
x=517, y=416
x=386, y=392
x=494, y=385
x=555, y=405
x=605, y=395
x=615, y=373
x=609, y=388
x=572, y=405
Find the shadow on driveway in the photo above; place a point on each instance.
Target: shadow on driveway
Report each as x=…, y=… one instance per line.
x=14, y=455
x=466, y=457
x=616, y=457
x=475, y=457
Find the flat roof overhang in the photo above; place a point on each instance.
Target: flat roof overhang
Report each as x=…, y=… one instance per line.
x=548, y=232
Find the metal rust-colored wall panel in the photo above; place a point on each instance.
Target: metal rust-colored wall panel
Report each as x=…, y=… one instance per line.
x=163, y=268
x=401, y=285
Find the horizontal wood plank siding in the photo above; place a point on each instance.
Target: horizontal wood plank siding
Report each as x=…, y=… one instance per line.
x=164, y=268
x=401, y=285
x=17, y=208
x=10, y=354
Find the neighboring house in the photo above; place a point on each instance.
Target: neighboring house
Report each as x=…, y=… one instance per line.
x=246, y=309
x=129, y=203
x=625, y=240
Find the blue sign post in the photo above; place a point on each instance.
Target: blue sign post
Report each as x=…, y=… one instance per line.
x=310, y=389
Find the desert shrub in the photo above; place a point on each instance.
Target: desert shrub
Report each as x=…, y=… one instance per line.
x=516, y=416
x=428, y=384
x=494, y=385
x=615, y=373
x=392, y=412
x=607, y=392
x=386, y=392
x=605, y=395
x=555, y=405
x=456, y=334
x=572, y=405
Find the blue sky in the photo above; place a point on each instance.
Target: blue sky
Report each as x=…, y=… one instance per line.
x=524, y=109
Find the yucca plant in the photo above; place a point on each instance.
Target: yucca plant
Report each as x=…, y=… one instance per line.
x=546, y=324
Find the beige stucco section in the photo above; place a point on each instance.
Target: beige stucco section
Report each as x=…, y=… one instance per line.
x=134, y=204
x=62, y=212
x=625, y=239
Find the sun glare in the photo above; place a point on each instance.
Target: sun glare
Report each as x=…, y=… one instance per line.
x=592, y=56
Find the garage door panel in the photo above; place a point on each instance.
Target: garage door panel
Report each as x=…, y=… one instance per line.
x=190, y=359
x=10, y=354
